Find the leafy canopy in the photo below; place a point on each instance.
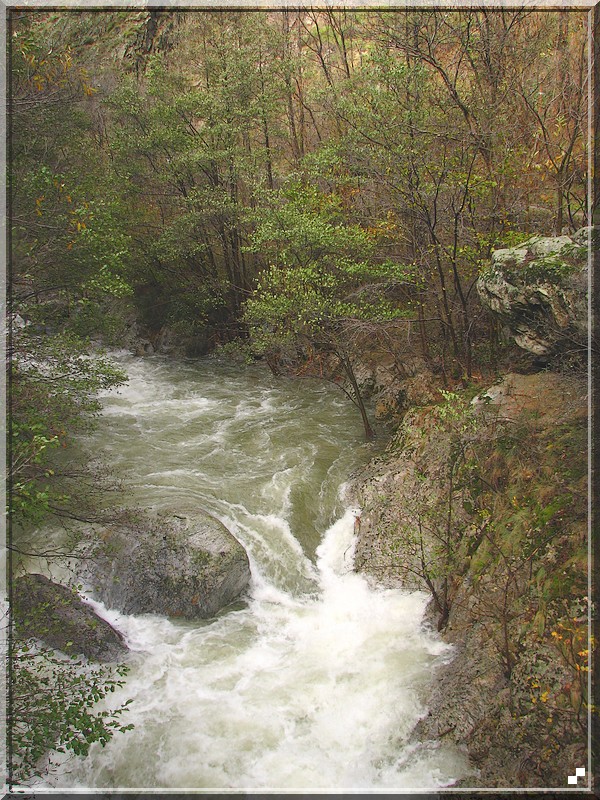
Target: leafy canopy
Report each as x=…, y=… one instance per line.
x=323, y=271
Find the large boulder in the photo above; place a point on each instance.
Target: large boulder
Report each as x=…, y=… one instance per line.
x=170, y=566
x=539, y=292
x=58, y=617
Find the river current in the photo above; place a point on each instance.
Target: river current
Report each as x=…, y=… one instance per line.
x=315, y=679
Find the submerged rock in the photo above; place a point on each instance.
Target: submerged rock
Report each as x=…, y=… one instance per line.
x=170, y=566
x=58, y=617
x=539, y=292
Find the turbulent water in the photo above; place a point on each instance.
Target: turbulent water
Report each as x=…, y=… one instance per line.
x=315, y=679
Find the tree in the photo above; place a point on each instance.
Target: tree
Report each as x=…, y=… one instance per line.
x=68, y=246
x=555, y=98
x=69, y=260
x=52, y=385
x=454, y=173
x=322, y=287
x=69, y=256
x=197, y=135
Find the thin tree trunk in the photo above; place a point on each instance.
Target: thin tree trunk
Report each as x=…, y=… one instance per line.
x=358, y=399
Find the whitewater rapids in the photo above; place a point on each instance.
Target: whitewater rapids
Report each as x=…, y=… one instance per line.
x=315, y=679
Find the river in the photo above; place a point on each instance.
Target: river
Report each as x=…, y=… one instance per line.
x=315, y=679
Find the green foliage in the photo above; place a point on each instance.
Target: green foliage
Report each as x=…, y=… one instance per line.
x=54, y=706
x=53, y=386
x=513, y=238
x=69, y=244
x=320, y=268
x=65, y=212
x=302, y=224
x=188, y=138
x=237, y=350
x=87, y=252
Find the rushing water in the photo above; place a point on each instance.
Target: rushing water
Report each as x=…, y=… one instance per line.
x=315, y=679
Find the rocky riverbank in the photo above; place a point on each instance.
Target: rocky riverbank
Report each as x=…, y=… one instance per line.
x=141, y=563
x=481, y=502
x=480, y=499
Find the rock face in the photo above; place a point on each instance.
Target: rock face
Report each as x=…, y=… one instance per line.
x=470, y=706
x=539, y=292
x=60, y=618
x=518, y=536
x=170, y=566
x=392, y=392
x=145, y=340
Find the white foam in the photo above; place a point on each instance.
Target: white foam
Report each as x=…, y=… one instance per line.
x=315, y=680
x=303, y=692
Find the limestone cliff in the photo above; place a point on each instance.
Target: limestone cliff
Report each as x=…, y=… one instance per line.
x=539, y=292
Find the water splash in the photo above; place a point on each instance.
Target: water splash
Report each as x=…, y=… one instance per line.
x=317, y=679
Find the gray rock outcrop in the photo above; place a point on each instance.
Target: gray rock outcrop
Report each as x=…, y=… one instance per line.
x=58, y=617
x=539, y=292
x=170, y=566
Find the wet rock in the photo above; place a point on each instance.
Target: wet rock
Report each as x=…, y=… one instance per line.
x=395, y=388
x=170, y=566
x=57, y=616
x=166, y=341
x=539, y=292
x=143, y=348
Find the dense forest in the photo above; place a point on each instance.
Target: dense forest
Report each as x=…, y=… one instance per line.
x=307, y=179
x=311, y=188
